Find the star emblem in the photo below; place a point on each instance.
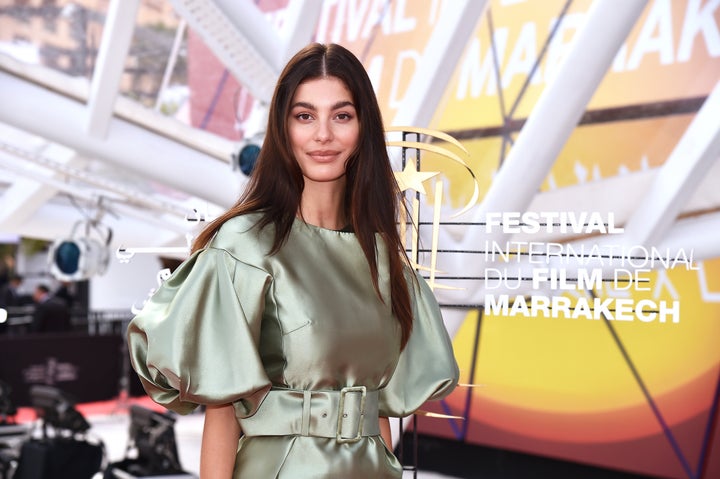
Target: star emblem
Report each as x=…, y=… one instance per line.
x=411, y=178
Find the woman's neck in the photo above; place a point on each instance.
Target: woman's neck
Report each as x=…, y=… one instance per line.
x=323, y=205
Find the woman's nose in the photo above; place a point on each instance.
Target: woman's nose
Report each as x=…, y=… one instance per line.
x=324, y=131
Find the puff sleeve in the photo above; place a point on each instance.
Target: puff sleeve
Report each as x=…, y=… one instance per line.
x=427, y=369
x=194, y=342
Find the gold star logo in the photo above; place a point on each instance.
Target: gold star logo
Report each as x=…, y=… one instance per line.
x=411, y=178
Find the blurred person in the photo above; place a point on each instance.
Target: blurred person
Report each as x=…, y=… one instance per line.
x=51, y=314
x=65, y=292
x=10, y=295
x=297, y=320
x=7, y=266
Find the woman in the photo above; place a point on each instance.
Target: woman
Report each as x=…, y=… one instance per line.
x=297, y=320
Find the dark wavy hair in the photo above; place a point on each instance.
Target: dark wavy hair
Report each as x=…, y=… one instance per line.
x=372, y=196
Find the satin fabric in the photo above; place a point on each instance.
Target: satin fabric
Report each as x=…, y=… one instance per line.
x=232, y=322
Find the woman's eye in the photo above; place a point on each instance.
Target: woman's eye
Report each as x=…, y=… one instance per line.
x=303, y=116
x=344, y=116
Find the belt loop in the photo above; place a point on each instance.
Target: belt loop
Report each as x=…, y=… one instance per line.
x=306, y=413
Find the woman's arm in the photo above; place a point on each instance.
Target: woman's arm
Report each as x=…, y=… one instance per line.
x=385, y=432
x=219, y=442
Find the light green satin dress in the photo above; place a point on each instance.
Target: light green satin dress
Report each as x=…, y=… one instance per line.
x=280, y=336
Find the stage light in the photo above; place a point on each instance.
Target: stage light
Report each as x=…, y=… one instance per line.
x=253, y=130
x=246, y=157
x=79, y=258
x=75, y=259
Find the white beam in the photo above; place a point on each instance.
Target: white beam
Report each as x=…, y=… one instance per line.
x=68, y=171
x=240, y=37
x=114, y=47
x=20, y=201
x=686, y=167
x=132, y=227
x=550, y=124
x=301, y=19
x=44, y=113
x=172, y=61
x=561, y=105
x=456, y=24
x=252, y=23
x=701, y=234
x=155, y=223
x=78, y=88
x=26, y=196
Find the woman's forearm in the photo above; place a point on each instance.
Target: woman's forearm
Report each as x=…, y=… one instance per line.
x=219, y=442
x=385, y=432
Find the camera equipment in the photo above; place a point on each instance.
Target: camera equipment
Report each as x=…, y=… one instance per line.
x=56, y=409
x=66, y=452
x=7, y=409
x=152, y=449
x=153, y=436
x=11, y=433
x=8, y=460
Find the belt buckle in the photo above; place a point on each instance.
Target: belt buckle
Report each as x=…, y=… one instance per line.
x=341, y=407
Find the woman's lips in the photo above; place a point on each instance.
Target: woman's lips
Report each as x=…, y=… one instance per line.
x=323, y=155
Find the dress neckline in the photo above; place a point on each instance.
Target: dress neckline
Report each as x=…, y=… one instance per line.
x=347, y=229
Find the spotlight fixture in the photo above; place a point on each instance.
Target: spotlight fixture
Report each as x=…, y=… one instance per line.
x=253, y=128
x=246, y=157
x=76, y=257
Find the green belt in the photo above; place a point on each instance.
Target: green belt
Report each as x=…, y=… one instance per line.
x=347, y=414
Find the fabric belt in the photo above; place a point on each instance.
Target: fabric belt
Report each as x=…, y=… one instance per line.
x=347, y=414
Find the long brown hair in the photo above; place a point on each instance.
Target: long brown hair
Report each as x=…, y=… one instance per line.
x=372, y=196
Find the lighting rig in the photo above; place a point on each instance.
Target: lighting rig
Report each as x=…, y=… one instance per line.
x=81, y=256
x=247, y=154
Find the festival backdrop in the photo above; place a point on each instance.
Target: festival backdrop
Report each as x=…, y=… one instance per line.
x=637, y=396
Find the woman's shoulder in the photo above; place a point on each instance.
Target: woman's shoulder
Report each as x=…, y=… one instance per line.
x=243, y=238
x=240, y=224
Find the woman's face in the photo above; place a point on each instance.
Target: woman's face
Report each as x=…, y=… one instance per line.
x=323, y=129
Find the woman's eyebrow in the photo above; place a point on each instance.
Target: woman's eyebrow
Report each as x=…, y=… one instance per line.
x=342, y=104
x=310, y=106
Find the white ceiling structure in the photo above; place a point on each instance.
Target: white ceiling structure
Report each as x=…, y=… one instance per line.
x=66, y=144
